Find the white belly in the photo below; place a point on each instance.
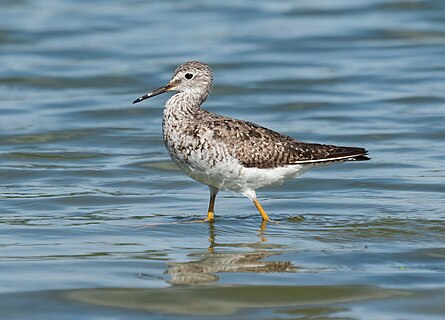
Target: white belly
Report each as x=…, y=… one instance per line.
x=209, y=161
x=229, y=174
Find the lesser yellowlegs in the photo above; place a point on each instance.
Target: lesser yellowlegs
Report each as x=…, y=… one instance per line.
x=230, y=154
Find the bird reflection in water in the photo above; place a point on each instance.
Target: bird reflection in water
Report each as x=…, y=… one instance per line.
x=204, y=271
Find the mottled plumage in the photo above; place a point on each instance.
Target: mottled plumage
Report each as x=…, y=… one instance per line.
x=231, y=154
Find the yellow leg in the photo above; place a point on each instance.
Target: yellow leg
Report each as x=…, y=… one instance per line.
x=210, y=212
x=210, y=215
x=261, y=210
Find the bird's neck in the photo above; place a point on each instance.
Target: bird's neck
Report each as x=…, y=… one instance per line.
x=184, y=104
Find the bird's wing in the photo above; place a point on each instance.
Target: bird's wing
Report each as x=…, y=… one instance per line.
x=257, y=146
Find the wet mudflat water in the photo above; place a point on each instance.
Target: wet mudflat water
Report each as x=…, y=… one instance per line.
x=97, y=222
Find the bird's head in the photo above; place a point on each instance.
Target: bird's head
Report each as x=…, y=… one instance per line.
x=192, y=77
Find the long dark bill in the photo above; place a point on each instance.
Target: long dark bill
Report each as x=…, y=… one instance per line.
x=155, y=92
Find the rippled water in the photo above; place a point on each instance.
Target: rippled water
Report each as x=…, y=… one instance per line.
x=97, y=222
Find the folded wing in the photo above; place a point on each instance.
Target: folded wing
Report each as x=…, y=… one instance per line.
x=256, y=146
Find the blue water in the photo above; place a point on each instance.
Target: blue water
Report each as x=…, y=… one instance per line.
x=97, y=222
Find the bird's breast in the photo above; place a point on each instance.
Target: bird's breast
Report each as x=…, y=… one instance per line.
x=199, y=154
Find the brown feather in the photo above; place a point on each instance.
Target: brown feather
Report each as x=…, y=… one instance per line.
x=257, y=146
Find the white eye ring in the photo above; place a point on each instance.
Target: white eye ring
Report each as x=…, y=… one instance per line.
x=188, y=76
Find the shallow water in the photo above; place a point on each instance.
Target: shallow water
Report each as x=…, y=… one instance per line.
x=97, y=222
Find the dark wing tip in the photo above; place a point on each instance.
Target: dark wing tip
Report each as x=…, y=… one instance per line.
x=362, y=158
x=330, y=153
x=361, y=154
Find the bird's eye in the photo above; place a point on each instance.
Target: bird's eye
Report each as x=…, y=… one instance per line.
x=188, y=76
